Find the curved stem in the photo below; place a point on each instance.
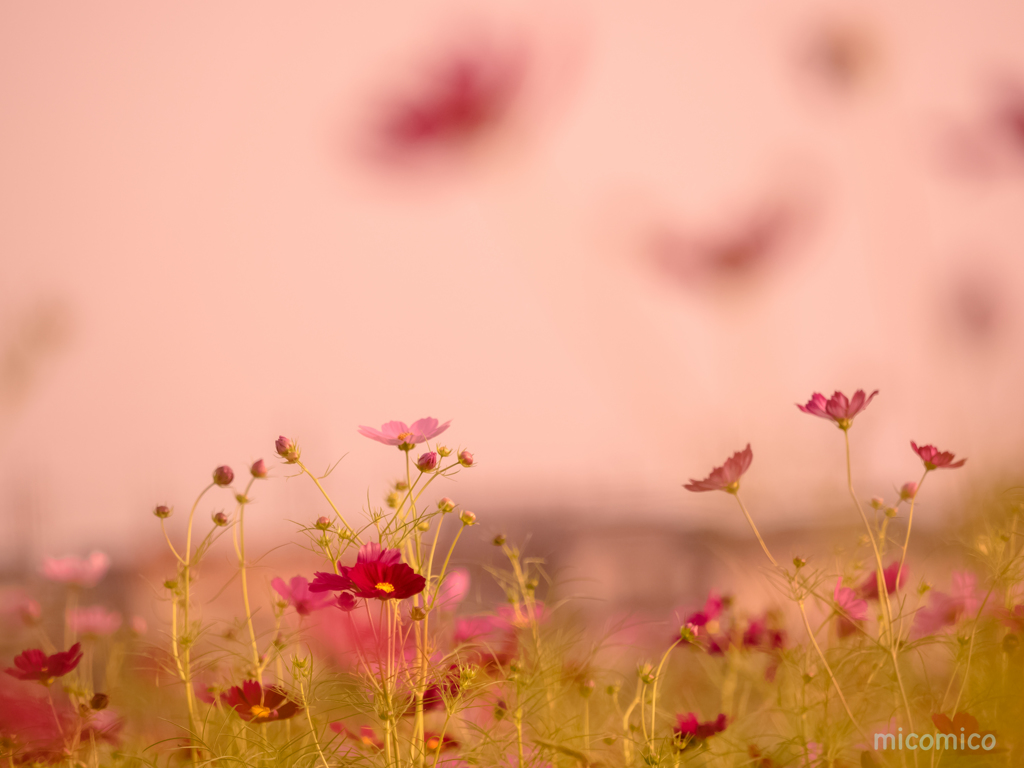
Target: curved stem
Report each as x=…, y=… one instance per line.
x=754, y=529
x=910, y=522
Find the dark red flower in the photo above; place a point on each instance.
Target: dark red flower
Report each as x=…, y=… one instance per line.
x=838, y=409
x=331, y=582
x=376, y=579
x=868, y=588
x=692, y=733
x=933, y=458
x=33, y=664
x=727, y=477
x=712, y=610
x=257, y=704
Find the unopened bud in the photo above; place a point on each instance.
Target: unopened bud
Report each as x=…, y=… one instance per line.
x=427, y=462
x=286, y=449
x=258, y=468
x=241, y=498
x=466, y=674
x=467, y=517
x=223, y=475
x=401, y=485
x=99, y=701
x=392, y=499
x=925, y=586
x=466, y=459
x=498, y=540
x=444, y=451
x=646, y=673
x=220, y=519
x=688, y=633
x=323, y=522
x=586, y=689
x=423, y=525
x=891, y=512
x=171, y=584
x=877, y=502
x=908, y=490
x=531, y=585
x=799, y=562
x=162, y=511
x=613, y=689
x=417, y=613
x=446, y=505
x=298, y=663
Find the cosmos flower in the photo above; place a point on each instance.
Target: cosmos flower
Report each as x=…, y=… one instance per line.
x=366, y=737
x=405, y=436
x=935, y=459
x=298, y=594
x=868, y=588
x=945, y=610
x=727, y=477
x=76, y=572
x=94, y=621
x=838, y=409
x=433, y=740
x=376, y=579
x=853, y=609
x=257, y=704
x=692, y=733
x=34, y=665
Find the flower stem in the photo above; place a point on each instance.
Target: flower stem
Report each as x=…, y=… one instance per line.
x=754, y=529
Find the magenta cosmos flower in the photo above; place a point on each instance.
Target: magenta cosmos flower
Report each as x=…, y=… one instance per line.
x=75, y=571
x=395, y=581
x=838, y=409
x=868, y=589
x=35, y=665
x=726, y=477
x=257, y=704
x=298, y=595
x=94, y=621
x=340, y=582
x=691, y=733
x=403, y=435
x=933, y=458
x=852, y=608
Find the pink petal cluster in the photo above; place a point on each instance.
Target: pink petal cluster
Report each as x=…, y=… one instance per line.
x=75, y=571
x=945, y=610
x=933, y=458
x=839, y=409
x=727, y=477
x=403, y=435
x=94, y=621
x=298, y=595
x=868, y=588
x=852, y=608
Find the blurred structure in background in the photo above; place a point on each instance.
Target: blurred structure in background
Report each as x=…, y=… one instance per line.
x=612, y=243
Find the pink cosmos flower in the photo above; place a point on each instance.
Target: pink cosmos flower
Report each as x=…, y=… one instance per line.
x=297, y=594
x=838, y=409
x=94, y=621
x=868, y=588
x=727, y=477
x=453, y=589
x=367, y=737
x=405, y=436
x=935, y=459
x=852, y=608
x=946, y=610
x=76, y=572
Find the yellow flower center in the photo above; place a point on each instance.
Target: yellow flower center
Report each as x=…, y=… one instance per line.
x=368, y=741
x=258, y=710
x=432, y=742
x=404, y=436
x=383, y=586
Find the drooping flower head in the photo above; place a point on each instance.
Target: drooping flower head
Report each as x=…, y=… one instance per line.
x=94, y=621
x=258, y=704
x=691, y=733
x=868, y=588
x=851, y=608
x=75, y=571
x=298, y=595
x=727, y=477
x=34, y=665
x=406, y=437
x=933, y=458
x=838, y=409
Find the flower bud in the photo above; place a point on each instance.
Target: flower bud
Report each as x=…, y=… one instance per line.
x=223, y=475
x=401, y=485
x=444, y=451
x=427, y=462
x=799, y=562
x=423, y=525
x=258, y=468
x=242, y=499
x=586, y=689
x=99, y=701
x=417, y=613
x=646, y=673
x=498, y=540
x=467, y=517
x=613, y=689
x=466, y=459
x=171, y=584
x=688, y=633
x=323, y=522
x=346, y=602
x=877, y=502
x=298, y=663
x=890, y=512
x=162, y=511
x=286, y=449
x=446, y=505
x=392, y=499
x=908, y=491
x=220, y=519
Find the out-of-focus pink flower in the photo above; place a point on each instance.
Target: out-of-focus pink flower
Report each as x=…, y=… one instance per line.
x=406, y=437
x=933, y=458
x=868, y=588
x=104, y=725
x=727, y=477
x=94, y=621
x=712, y=610
x=427, y=462
x=852, y=609
x=838, y=409
x=691, y=732
x=453, y=589
x=373, y=552
x=76, y=572
x=139, y=625
x=298, y=595
x=36, y=666
x=908, y=491
x=29, y=731
x=946, y=610
x=346, y=602
x=1012, y=618
x=366, y=737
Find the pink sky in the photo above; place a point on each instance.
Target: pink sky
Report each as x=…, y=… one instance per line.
x=189, y=182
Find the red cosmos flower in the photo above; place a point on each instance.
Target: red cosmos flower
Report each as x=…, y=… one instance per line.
x=297, y=593
x=33, y=664
x=935, y=459
x=727, y=477
x=340, y=581
x=257, y=704
x=405, y=436
x=868, y=588
x=838, y=409
x=692, y=733
x=375, y=579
